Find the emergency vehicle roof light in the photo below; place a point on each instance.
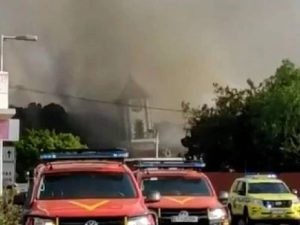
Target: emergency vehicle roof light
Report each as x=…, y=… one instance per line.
x=169, y=159
x=83, y=154
x=145, y=163
x=261, y=176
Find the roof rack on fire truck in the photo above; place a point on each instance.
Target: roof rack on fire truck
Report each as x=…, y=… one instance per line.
x=168, y=163
x=115, y=154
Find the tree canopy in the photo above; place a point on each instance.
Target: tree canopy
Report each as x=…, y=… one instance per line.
x=255, y=128
x=35, y=116
x=33, y=141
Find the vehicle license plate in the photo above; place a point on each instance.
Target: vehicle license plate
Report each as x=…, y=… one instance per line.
x=184, y=219
x=278, y=212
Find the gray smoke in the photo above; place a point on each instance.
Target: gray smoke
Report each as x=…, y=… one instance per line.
x=175, y=49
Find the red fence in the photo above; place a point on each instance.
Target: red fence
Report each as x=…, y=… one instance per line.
x=222, y=181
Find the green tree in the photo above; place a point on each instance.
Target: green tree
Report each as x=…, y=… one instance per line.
x=30, y=145
x=278, y=119
x=215, y=131
x=248, y=125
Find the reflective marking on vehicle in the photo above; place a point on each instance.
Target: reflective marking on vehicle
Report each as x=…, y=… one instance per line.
x=89, y=207
x=178, y=200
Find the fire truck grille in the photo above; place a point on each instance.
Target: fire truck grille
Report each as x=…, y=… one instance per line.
x=191, y=212
x=98, y=220
x=167, y=214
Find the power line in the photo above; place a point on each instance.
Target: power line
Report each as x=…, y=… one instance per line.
x=22, y=88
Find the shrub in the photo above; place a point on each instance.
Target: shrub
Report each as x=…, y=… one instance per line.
x=10, y=214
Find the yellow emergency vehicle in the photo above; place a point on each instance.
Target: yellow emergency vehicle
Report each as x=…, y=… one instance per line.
x=263, y=198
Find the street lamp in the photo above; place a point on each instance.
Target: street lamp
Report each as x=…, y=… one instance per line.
x=19, y=38
x=5, y=111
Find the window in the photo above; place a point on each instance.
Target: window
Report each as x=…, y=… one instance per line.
x=235, y=186
x=137, y=105
x=241, y=188
x=84, y=185
x=139, y=129
x=268, y=187
x=177, y=186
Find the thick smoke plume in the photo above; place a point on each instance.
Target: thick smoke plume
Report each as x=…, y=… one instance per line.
x=175, y=49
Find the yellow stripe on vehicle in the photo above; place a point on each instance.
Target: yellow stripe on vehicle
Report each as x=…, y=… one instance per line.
x=181, y=201
x=89, y=207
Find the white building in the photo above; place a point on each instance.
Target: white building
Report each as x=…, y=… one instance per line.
x=141, y=137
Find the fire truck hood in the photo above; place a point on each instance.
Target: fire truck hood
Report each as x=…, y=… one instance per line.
x=90, y=207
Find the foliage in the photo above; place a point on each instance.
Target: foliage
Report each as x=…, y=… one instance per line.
x=10, y=214
x=248, y=125
x=30, y=145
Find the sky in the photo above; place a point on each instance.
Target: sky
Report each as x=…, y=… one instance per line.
x=174, y=49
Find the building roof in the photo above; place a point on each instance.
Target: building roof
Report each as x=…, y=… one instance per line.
x=132, y=90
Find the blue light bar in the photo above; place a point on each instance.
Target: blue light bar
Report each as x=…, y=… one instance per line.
x=160, y=163
x=194, y=165
x=78, y=154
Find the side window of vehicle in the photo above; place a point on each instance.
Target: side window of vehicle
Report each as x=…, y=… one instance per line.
x=241, y=188
x=235, y=187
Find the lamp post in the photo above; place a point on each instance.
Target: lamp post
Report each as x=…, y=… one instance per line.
x=5, y=111
x=18, y=38
x=157, y=144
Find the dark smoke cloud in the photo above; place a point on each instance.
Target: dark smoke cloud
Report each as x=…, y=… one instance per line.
x=174, y=48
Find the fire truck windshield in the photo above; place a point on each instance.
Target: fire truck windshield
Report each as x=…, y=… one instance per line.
x=176, y=186
x=86, y=185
